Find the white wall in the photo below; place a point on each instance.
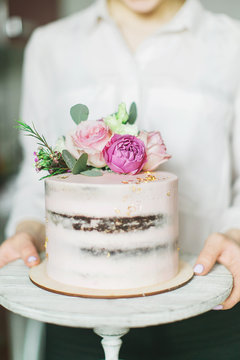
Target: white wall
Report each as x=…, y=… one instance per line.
x=68, y=7
x=230, y=7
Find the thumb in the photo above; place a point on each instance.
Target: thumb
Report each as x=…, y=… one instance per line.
x=209, y=254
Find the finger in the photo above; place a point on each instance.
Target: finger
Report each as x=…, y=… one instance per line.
x=19, y=246
x=230, y=258
x=28, y=253
x=208, y=256
x=234, y=297
x=8, y=253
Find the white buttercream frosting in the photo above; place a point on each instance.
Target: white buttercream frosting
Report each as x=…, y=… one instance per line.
x=113, y=231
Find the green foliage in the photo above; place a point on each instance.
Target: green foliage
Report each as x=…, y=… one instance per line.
x=92, y=172
x=81, y=164
x=56, y=172
x=69, y=159
x=79, y=113
x=35, y=134
x=53, y=163
x=132, y=113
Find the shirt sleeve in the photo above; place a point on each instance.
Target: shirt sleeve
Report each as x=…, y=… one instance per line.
x=231, y=216
x=28, y=203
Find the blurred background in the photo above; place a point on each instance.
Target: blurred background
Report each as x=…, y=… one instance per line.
x=18, y=18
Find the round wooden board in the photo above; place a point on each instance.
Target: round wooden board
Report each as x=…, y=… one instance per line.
x=40, y=278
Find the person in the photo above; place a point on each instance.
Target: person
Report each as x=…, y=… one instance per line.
x=180, y=64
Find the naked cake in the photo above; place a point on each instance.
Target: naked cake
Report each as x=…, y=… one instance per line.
x=112, y=232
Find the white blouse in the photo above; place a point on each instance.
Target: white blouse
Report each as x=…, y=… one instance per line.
x=185, y=81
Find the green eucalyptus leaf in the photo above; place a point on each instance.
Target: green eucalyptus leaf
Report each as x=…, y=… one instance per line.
x=79, y=113
x=132, y=113
x=92, y=172
x=69, y=159
x=81, y=164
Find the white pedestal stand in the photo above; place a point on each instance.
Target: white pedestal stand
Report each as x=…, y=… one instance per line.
x=111, y=319
x=111, y=341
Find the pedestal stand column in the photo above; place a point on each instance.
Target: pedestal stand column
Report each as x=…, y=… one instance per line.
x=111, y=341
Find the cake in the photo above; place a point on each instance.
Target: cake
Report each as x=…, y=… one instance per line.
x=112, y=218
x=112, y=232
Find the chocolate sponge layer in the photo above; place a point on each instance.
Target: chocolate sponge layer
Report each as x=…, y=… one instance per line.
x=108, y=224
x=117, y=253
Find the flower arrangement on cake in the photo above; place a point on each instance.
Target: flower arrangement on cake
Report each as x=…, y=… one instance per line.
x=112, y=143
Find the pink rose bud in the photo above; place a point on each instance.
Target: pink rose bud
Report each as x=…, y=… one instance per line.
x=155, y=149
x=125, y=154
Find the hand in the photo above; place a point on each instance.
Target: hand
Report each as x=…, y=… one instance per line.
x=225, y=249
x=25, y=244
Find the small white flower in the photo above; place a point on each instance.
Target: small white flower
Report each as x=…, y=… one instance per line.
x=127, y=129
x=60, y=144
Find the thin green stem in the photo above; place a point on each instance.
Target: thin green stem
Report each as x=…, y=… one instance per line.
x=35, y=134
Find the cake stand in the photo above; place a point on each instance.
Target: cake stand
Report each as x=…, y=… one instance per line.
x=112, y=318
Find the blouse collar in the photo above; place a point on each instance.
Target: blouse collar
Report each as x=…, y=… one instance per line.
x=188, y=17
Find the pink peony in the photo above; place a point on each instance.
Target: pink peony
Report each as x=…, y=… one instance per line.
x=125, y=154
x=155, y=149
x=90, y=137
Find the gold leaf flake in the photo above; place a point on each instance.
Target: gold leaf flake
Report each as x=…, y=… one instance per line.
x=131, y=209
x=148, y=177
x=45, y=244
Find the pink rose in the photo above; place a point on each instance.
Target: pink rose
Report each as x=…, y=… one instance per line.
x=96, y=160
x=90, y=137
x=155, y=149
x=125, y=154
x=71, y=147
